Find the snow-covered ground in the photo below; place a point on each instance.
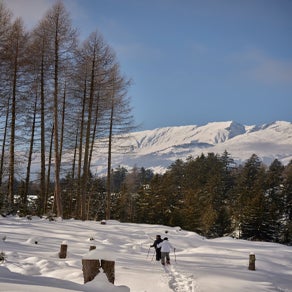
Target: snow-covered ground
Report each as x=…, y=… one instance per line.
x=31, y=249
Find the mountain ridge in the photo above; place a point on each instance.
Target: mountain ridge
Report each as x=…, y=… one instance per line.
x=157, y=149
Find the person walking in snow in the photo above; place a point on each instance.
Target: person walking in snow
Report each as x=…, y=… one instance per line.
x=166, y=247
x=157, y=249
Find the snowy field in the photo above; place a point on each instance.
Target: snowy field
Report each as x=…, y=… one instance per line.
x=31, y=249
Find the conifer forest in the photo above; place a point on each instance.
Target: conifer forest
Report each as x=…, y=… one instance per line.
x=58, y=95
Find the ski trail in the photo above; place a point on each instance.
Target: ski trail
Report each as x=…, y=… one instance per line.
x=179, y=282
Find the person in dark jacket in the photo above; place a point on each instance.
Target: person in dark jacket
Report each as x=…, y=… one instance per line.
x=157, y=249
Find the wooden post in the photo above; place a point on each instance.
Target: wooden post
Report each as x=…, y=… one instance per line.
x=252, y=260
x=63, y=251
x=90, y=269
x=96, y=259
x=109, y=269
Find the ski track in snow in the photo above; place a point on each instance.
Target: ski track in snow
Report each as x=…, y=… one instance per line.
x=179, y=282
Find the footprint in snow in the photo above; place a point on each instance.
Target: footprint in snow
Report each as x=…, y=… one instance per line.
x=179, y=282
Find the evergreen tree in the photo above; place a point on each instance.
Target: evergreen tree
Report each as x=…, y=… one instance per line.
x=286, y=234
x=252, y=203
x=275, y=199
x=118, y=178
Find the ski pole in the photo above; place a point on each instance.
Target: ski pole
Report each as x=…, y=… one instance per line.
x=174, y=255
x=153, y=256
x=148, y=252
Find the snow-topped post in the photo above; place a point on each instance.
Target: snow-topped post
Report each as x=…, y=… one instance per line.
x=252, y=260
x=63, y=250
x=96, y=259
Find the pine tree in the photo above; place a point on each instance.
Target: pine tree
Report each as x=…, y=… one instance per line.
x=275, y=200
x=286, y=234
x=258, y=210
x=252, y=201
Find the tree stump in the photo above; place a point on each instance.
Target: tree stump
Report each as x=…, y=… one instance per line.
x=90, y=269
x=109, y=269
x=92, y=247
x=96, y=259
x=252, y=260
x=63, y=251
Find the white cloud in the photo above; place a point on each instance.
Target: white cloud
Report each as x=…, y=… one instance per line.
x=137, y=51
x=31, y=11
x=261, y=67
x=273, y=71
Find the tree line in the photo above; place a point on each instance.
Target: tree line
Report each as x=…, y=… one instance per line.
x=212, y=196
x=57, y=96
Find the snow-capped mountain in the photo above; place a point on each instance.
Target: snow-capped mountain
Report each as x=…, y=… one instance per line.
x=158, y=149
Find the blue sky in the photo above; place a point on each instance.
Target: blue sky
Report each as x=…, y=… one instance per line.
x=192, y=62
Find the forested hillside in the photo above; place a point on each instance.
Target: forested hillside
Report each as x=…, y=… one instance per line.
x=212, y=196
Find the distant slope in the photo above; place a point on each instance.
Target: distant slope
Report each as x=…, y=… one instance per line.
x=157, y=149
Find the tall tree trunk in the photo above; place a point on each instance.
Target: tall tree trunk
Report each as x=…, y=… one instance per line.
x=87, y=141
x=27, y=179
x=63, y=123
x=93, y=132
x=57, y=194
x=43, y=197
x=4, y=143
x=49, y=171
x=79, y=175
x=74, y=156
x=12, y=129
x=109, y=163
x=73, y=185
